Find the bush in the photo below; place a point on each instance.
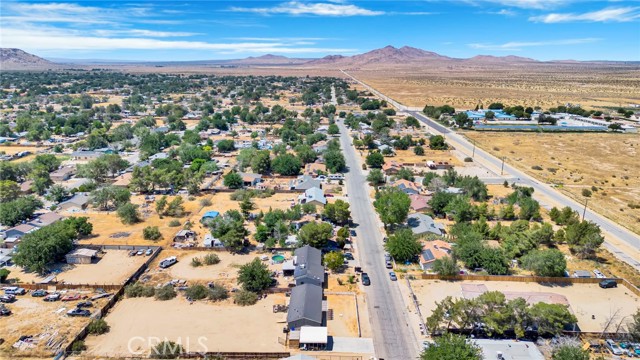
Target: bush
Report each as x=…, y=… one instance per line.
x=245, y=298
x=78, y=346
x=166, y=350
x=139, y=290
x=165, y=293
x=586, y=192
x=218, y=293
x=468, y=159
x=4, y=274
x=211, y=259
x=205, y=202
x=536, y=167
x=98, y=327
x=196, y=292
x=174, y=223
x=196, y=262
x=151, y=233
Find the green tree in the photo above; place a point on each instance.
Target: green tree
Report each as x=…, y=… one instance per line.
x=406, y=174
x=246, y=206
x=551, y=318
x=375, y=160
x=392, y=204
x=161, y=205
x=128, y=213
x=287, y=165
x=306, y=153
x=634, y=326
x=418, y=150
x=375, y=177
x=403, y=246
x=58, y=193
x=446, y=266
x=437, y=142
x=333, y=130
x=570, y=352
x=175, y=207
x=452, y=347
x=335, y=161
x=166, y=350
x=4, y=275
x=584, y=238
x=254, y=276
x=334, y=261
x=261, y=162
x=151, y=233
x=233, y=180
x=410, y=121
x=315, y=234
x=462, y=120
x=226, y=145
x=18, y=210
x=337, y=212
x=98, y=327
x=549, y=262
x=196, y=292
x=9, y=190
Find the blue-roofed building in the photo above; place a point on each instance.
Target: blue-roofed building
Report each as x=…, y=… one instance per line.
x=209, y=215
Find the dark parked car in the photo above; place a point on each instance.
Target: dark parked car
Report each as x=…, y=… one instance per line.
x=39, y=293
x=366, y=281
x=4, y=311
x=606, y=284
x=79, y=312
x=85, y=304
x=348, y=256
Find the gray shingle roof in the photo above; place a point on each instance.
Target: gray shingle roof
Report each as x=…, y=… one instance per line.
x=305, y=303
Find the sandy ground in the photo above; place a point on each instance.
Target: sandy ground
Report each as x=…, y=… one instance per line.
x=578, y=162
x=345, y=321
x=33, y=316
x=10, y=150
x=114, y=267
x=201, y=326
x=585, y=299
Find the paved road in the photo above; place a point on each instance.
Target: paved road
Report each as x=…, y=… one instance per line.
x=618, y=238
x=392, y=337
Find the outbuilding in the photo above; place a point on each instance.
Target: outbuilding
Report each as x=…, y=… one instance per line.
x=81, y=256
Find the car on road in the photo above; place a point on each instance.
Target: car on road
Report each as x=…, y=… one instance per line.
x=39, y=293
x=387, y=257
x=7, y=298
x=83, y=304
x=352, y=232
x=52, y=297
x=392, y=276
x=366, y=281
x=349, y=256
x=71, y=297
x=14, y=290
x=79, y=312
x=148, y=252
x=388, y=264
x=606, y=284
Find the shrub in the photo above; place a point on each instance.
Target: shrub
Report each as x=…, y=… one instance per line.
x=151, y=233
x=586, y=192
x=98, y=327
x=468, y=159
x=4, y=274
x=196, y=292
x=205, y=202
x=139, y=290
x=196, y=262
x=165, y=293
x=174, y=223
x=245, y=298
x=78, y=346
x=218, y=293
x=211, y=259
x=166, y=350
x=536, y=167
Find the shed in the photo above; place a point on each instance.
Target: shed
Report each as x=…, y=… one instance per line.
x=209, y=215
x=210, y=241
x=78, y=202
x=314, y=337
x=81, y=256
x=305, y=306
x=184, y=235
x=581, y=274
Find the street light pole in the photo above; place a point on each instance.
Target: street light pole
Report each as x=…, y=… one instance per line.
x=474, y=149
x=586, y=201
x=502, y=169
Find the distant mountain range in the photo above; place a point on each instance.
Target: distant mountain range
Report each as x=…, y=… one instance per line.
x=388, y=56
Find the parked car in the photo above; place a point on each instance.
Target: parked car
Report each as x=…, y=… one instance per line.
x=168, y=262
x=352, y=232
x=39, y=293
x=14, y=290
x=52, y=297
x=328, y=195
x=132, y=253
x=393, y=276
x=140, y=252
x=349, y=256
x=599, y=274
x=71, y=297
x=385, y=239
x=100, y=296
x=7, y=298
x=387, y=257
x=615, y=349
x=79, y=312
x=83, y=304
x=4, y=311
x=388, y=264
x=606, y=284
x=366, y=281
x=148, y=252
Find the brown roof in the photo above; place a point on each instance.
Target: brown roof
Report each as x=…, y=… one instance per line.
x=123, y=180
x=437, y=248
x=47, y=219
x=419, y=202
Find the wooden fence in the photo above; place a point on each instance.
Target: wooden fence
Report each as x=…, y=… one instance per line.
x=237, y=355
x=52, y=286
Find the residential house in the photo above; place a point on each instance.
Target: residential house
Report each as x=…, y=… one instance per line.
x=19, y=231
x=184, y=235
x=81, y=256
x=63, y=174
x=46, y=219
x=305, y=306
x=419, y=202
x=85, y=155
x=26, y=187
x=304, y=220
x=433, y=250
x=211, y=242
x=391, y=167
x=386, y=149
x=454, y=190
x=315, y=169
x=251, y=179
x=78, y=202
x=123, y=180
x=308, y=266
x=304, y=182
x=158, y=156
x=408, y=187
x=313, y=196
x=320, y=146
x=422, y=224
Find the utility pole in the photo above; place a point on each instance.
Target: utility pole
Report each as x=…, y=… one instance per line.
x=502, y=169
x=474, y=149
x=586, y=201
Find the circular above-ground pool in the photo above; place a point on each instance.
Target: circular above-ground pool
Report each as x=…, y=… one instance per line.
x=278, y=258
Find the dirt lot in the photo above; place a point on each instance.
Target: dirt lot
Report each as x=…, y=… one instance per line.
x=578, y=161
x=114, y=267
x=345, y=321
x=201, y=326
x=585, y=299
x=46, y=321
x=466, y=86
x=10, y=150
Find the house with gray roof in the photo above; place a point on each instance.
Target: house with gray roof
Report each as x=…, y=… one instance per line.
x=304, y=182
x=305, y=306
x=314, y=196
x=79, y=201
x=422, y=224
x=308, y=266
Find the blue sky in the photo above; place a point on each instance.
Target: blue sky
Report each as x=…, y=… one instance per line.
x=198, y=30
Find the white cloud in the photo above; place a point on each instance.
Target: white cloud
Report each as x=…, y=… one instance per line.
x=620, y=14
x=518, y=45
x=525, y=4
x=319, y=9
x=142, y=32
x=57, y=40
